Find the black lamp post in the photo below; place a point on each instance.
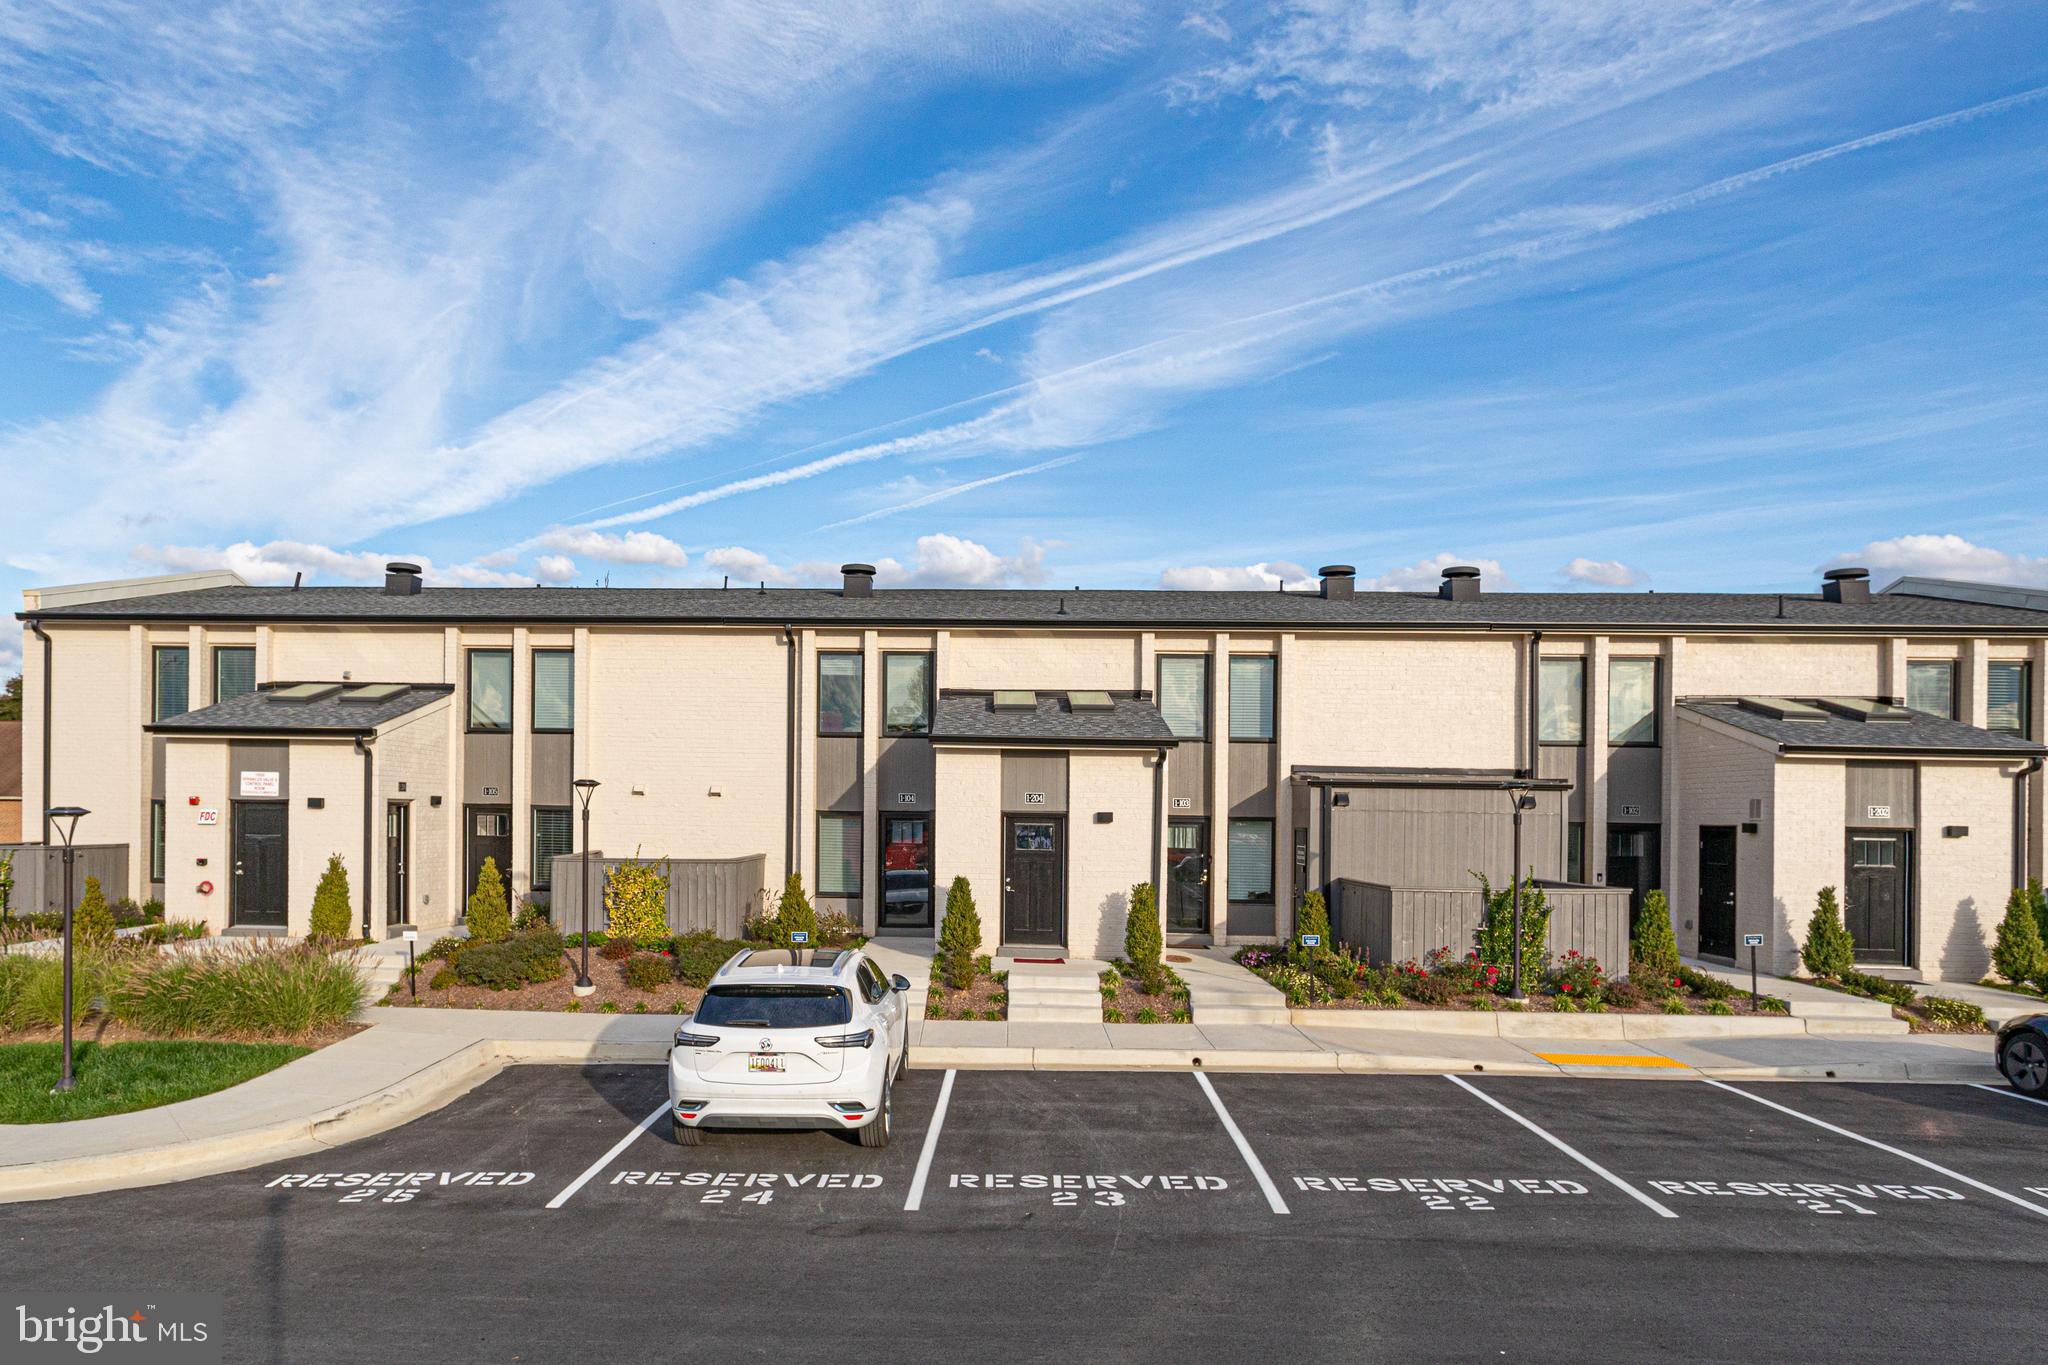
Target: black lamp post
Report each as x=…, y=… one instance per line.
x=65, y=818
x=1522, y=801
x=586, y=787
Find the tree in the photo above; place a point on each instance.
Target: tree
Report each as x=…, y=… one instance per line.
x=93, y=922
x=959, y=935
x=1495, y=937
x=636, y=903
x=10, y=700
x=1653, y=951
x=489, y=917
x=2039, y=899
x=1142, y=941
x=2019, y=955
x=1829, y=950
x=1314, y=918
x=330, y=901
x=795, y=913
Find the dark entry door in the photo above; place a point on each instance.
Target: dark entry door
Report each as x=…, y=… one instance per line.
x=1717, y=890
x=1034, y=879
x=906, y=872
x=1187, y=876
x=1634, y=855
x=261, y=866
x=1876, y=908
x=397, y=861
x=490, y=836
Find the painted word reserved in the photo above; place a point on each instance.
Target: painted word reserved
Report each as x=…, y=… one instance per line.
x=815, y=1180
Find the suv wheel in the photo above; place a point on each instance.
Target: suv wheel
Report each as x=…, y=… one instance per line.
x=875, y=1133
x=2026, y=1064
x=686, y=1135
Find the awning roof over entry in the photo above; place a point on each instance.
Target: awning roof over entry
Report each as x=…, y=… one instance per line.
x=1483, y=779
x=307, y=708
x=1854, y=725
x=1100, y=718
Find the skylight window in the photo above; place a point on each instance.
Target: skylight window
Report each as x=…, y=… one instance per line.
x=1090, y=701
x=1016, y=701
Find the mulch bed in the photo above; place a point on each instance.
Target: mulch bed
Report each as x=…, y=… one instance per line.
x=1539, y=1004
x=609, y=977
x=1123, y=1007
x=987, y=998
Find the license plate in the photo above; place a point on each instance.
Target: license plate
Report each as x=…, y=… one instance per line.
x=764, y=1061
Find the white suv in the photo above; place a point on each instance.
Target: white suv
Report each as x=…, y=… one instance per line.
x=791, y=1038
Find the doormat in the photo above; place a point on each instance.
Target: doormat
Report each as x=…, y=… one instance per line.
x=1178, y=957
x=1042, y=961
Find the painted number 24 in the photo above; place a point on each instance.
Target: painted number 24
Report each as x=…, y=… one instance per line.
x=722, y=1196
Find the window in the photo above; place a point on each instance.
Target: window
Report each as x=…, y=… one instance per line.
x=156, y=841
x=1931, y=687
x=554, y=690
x=772, y=1007
x=1575, y=852
x=234, y=672
x=490, y=689
x=907, y=870
x=1184, y=694
x=907, y=694
x=554, y=834
x=1251, y=699
x=1561, y=701
x=2010, y=709
x=173, y=693
x=1631, y=701
x=839, y=694
x=838, y=854
x=1251, y=860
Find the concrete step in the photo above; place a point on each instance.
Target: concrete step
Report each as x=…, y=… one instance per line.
x=1082, y=986
x=1850, y=1028
x=1209, y=1012
x=1847, y=1007
x=1054, y=1014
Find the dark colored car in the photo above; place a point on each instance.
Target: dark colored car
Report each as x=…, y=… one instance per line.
x=2023, y=1054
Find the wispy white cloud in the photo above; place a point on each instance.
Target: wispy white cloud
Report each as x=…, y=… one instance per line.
x=1426, y=575
x=634, y=547
x=1602, y=573
x=278, y=560
x=1269, y=576
x=1946, y=556
x=939, y=560
x=951, y=491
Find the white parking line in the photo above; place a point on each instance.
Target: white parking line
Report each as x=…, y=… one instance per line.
x=1244, y=1148
x=1881, y=1146
x=931, y=1146
x=608, y=1158
x=2009, y=1094
x=1574, y=1153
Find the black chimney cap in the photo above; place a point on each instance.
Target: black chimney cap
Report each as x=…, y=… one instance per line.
x=1845, y=575
x=1461, y=571
x=400, y=566
x=858, y=570
x=1337, y=571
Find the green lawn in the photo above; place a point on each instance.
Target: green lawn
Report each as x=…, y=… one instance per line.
x=115, y=1078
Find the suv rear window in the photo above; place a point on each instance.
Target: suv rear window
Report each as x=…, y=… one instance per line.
x=775, y=1007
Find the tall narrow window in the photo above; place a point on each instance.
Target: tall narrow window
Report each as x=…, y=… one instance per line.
x=490, y=689
x=1931, y=687
x=156, y=841
x=554, y=690
x=1251, y=698
x=907, y=694
x=1631, y=701
x=234, y=672
x=173, y=689
x=1561, y=701
x=1251, y=860
x=2010, y=702
x=838, y=854
x=839, y=694
x=554, y=836
x=1575, y=852
x=1184, y=694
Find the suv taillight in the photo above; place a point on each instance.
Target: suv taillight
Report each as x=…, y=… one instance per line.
x=865, y=1038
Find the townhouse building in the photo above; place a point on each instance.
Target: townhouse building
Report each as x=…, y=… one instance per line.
x=1740, y=751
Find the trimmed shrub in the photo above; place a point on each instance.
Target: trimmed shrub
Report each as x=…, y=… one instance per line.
x=794, y=914
x=447, y=947
x=636, y=901
x=1829, y=950
x=959, y=935
x=1495, y=937
x=489, y=918
x=1705, y=983
x=1653, y=950
x=533, y=914
x=836, y=930
x=649, y=971
x=1955, y=1013
x=1143, y=943
x=2039, y=898
x=330, y=901
x=2019, y=955
x=616, y=949
x=1878, y=987
x=512, y=962
x=1577, y=976
x=1314, y=918
x=93, y=921
x=700, y=955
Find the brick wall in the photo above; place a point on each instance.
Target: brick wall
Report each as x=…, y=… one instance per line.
x=1105, y=861
x=968, y=836
x=1045, y=662
x=1962, y=883
x=1395, y=702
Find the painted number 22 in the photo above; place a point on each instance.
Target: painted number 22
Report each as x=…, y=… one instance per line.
x=1470, y=1202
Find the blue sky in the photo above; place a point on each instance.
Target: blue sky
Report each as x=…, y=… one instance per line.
x=1595, y=294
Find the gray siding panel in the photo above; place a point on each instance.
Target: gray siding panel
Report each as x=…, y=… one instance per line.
x=1439, y=836
x=1394, y=924
x=1885, y=785
x=839, y=772
x=1027, y=773
x=257, y=756
x=39, y=874
x=1635, y=778
x=1567, y=761
x=1251, y=780
x=1251, y=918
x=487, y=763
x=1187, y=778
x=905, y=769
x=703, y=893
x=548, y=775
x=157, y=744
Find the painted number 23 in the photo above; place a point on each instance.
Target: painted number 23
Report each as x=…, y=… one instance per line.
x=1103, y=1199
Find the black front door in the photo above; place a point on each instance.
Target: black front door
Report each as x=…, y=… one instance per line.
x=490, y=836
x=1187, y=876
x=1717, y=890
x=1633, y=853
x=1034, y=879
x=261, y=867
x=1875, y=909
x=397, y=856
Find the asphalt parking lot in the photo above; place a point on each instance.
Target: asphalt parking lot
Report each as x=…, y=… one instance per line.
x=1094, y=1216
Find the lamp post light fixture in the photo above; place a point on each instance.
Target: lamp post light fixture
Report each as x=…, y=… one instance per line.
x=586, y=787
x=1522, y=801
x=65, y=820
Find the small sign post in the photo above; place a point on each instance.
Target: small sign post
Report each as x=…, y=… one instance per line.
x=412, y=970
x=799, y=937
x=1310, y=942
x=1752, y=942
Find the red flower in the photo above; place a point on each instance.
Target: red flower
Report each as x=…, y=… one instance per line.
x=1567, y=987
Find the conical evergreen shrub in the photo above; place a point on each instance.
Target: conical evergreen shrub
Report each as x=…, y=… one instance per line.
x=2019, y=955
x=489, y=918
x=1143, y=943
x=93, y=922
x=959, y=935
x=330, y=901
x=1653, y=951
x=794, y=913
x=1829, y=950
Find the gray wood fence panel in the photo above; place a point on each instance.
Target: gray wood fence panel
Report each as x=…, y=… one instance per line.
x=1394, y=924
x=703, y=893
x=39, y=874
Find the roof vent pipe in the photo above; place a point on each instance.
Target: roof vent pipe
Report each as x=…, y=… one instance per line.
x=1339, y=580
x=1461, y=584
x=1845, y=585
x=859, y=580
x=401, y=579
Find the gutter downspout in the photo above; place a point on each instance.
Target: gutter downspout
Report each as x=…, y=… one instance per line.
x=369, y=827
x=2019, y=820
x=789, y=781
x=1532, y=745
x=44, y=636
x=1158, y=803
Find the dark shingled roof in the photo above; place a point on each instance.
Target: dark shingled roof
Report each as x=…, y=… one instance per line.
x=972, y=717
x=261, y=712
x=1919, y=733
x=1151, y=609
